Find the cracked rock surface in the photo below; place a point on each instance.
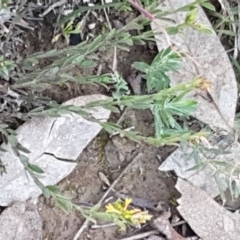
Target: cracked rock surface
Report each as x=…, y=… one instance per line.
x=54, y=145
x=21, y=221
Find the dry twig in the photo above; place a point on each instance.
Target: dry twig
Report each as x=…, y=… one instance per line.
x=54, y=5
x=103, y=226
x=85, y=224
x=141, y=235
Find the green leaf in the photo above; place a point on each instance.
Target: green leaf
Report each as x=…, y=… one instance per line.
x=157, y=80
x=40, y=55
x=196, y=167
x=234, y=189
x=111, y=34
x=4, y=73
x=78, y=60
x=190, y=6
x=36, y=110
x=227, y=32
x=53, y=189
x=138, y=41
x=78, y=110
x=63, y=204
x=35, y=168
x=219, y=185
x=60, y=196
x=120, y=224
x=89, y=218
x=121, y=87
x=95, y=44
x=22, y=148
x=167, y=60
x=87, y=64
x=191, y=17
x=111, y=108
x=11, y=131
x=12, y=139
x=63, y=111
x=46, y=193
x=182, y=107
x=75, y=31
x=95, y=208
x=202, y=28
x=208, y=6
x=24, y=159
x=141, y=66
x=121, y=47
x=128, y=41
x=172, y=30
x=103, y=216
x=75, y=14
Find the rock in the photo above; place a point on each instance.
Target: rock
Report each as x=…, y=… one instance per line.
x=207, y=218
x=206, y=57
x=55, y=144
x=205, y=177
x=21, y=221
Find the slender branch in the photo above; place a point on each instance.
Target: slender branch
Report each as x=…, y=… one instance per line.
x=85, y=224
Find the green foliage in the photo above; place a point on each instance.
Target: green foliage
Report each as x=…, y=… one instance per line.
x=225, y=24
x=164, y=113
x=75, y=14
x=167, y=104
x=62, y=61
x=4, y=3
x=6, y=66
x=120, y=86
x=164, y=105
x=67, y=30
x=155, y=74
x=225, y=171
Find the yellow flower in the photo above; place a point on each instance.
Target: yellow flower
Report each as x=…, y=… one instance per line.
x=132, y=216
x=111, y=209
x=127, y=203
x=141, y=217
x=205, y=85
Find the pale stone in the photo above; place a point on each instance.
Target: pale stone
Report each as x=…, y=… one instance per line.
x=54, y=143
x=21, y=221
x=205, y=56
x=207, y=218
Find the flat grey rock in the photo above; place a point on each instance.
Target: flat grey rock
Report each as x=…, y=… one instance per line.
x=206, y=217
x=181, y=161
x=206, y=57
x=55, y=144
x=21, y=221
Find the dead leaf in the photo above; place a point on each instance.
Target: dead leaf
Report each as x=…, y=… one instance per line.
x=163, y=225
x=205, y=56
x=21, y=221
x=207, y=218
x=55, y=38
x=104, y=179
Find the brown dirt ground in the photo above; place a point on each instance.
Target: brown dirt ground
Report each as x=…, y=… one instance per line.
x=83, y=184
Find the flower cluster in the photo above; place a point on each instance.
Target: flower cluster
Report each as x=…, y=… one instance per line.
x=122, y=211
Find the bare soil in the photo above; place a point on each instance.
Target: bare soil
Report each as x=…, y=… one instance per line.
x=142, y=181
